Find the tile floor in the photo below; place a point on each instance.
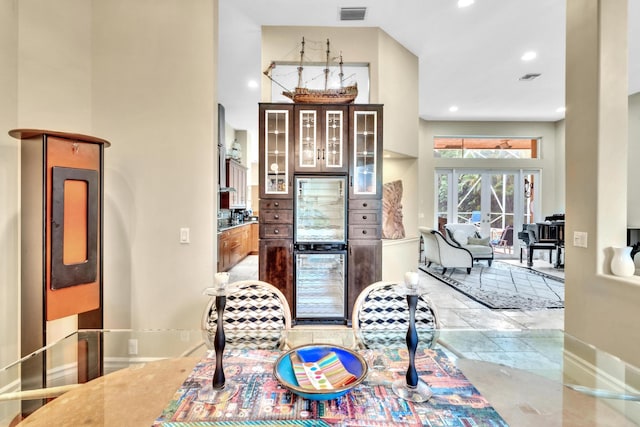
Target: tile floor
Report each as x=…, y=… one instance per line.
x=470, y=330
x=456, y=310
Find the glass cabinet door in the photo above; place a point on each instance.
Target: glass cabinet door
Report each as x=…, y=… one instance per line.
x=308, y=150
x=365, y=148
x=276, y=152
x=334, y=143
x=321, y=139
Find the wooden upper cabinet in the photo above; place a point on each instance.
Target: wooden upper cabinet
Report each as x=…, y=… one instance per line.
x=276, y=150
x=236, y=179
x=365, y=128
x=321, y=143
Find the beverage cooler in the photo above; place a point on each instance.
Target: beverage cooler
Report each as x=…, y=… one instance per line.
x=320, y=248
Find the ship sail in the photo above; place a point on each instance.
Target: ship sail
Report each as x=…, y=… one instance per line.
x=303, y=95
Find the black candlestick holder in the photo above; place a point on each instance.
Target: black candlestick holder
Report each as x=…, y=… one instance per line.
x=412, y=388
x=220, y=389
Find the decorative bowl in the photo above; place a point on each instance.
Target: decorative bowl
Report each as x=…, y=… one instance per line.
x=352, y=362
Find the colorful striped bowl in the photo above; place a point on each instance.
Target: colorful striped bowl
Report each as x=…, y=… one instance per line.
x=352, y=361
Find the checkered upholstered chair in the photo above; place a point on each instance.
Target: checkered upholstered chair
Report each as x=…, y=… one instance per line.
x=256, y=315
x=381, y=317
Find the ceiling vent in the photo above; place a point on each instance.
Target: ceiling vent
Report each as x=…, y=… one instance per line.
x=529, y=77
x=352, y=13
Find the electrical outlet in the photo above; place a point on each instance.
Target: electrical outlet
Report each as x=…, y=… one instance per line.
x=133, y=346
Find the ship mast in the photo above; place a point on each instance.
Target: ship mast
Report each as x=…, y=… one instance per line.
x=300, y=66
x=341, y=73
x=326, y=69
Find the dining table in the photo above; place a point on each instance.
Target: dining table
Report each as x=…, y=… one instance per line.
x=478, y=378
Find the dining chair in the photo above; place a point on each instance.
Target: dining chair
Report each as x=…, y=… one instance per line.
x=381, y=317
x=256, y=315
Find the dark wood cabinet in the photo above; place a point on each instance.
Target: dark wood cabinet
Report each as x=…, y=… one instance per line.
x=320, y=140
x=364, y=268
x=276, y=265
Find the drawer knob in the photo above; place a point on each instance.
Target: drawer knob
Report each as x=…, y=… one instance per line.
x=364, y=217
x=276, y=204
x=364, y=231
x=364, y=205
x=276, y=216
x=276, y=231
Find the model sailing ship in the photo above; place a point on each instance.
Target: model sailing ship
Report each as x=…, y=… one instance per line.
x=303, y=95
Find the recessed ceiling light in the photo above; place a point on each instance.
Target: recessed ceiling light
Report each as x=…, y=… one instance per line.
x=453, y=108
x=528, y=56
x=561, y=110
x=465, y=3
x=252, y=84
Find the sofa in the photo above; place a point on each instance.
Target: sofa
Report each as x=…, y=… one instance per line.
x=467, y=236
x=436, y=249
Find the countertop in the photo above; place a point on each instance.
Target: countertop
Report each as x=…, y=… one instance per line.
x=230, y=227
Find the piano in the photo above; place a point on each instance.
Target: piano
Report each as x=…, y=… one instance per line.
x=547, y=235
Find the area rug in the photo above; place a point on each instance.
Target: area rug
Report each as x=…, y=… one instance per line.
x=503, y=285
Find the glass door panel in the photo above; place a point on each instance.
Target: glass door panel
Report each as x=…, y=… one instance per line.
x=364, y=152
x=276, y=152
x=492, y=200
x=307, y=139
x=334, y=139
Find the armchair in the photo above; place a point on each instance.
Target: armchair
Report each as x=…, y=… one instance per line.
x=437, y=249
x=466, y=236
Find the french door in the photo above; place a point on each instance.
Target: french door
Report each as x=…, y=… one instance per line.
x=491, y=199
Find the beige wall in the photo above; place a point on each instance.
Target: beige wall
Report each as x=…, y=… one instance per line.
x=141, y=75
x=600, y=309
x=153, y=88
x=9, y=185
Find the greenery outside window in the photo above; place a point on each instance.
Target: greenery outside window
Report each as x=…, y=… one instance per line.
x=485, y=148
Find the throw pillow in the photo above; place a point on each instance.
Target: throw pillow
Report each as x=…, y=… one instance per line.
x=461, y=237
x=392, y=227
x=478, y=241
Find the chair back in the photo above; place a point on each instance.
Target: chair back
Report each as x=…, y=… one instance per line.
x=507, y=235
x=256, y=315
x=381, y=317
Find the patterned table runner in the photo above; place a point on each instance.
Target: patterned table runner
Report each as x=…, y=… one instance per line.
x=261, y=401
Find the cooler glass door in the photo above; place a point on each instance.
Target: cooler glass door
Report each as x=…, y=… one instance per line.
x=320, y=210
x=320, y=285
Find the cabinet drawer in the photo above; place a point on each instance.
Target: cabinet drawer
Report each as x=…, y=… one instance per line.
x=369, y=204
x=365, y=232
x=275, y=204
x=277, y=216
x=276, y=231
x=365, y=217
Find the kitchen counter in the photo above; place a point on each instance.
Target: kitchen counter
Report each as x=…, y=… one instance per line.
x=230, y=227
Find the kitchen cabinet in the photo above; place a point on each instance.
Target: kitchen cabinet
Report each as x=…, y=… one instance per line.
x=236, y=179
x=364, y=268
x=321, y=139
x=234, y=245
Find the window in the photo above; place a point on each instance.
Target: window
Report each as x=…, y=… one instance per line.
x=485, y=148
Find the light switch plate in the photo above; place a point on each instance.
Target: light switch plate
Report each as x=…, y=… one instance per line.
x=184, y=235
x=580, y=239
